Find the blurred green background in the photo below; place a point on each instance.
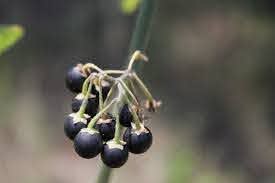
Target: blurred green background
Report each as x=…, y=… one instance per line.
x=211, y=63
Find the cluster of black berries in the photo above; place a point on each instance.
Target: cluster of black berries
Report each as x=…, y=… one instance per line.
x=102, y=107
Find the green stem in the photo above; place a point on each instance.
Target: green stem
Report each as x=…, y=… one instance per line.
x=135, y=115
x=85, y=85
x=141, y=35
x=143, y=88
x=104, y=174
x=128, y=91
x=85, y=101
x=100, y=94
x=99, y=114
x=118, y=129
x=139, y=42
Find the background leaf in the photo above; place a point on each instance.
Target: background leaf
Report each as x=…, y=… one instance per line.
x=9, y=35
x=129, y=6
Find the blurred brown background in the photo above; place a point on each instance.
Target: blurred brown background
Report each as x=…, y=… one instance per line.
x=211, y=63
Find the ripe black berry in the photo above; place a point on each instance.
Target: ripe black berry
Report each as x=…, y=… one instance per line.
x=125, y=116
x=75, y=79
x=88, y=143
x=92, y=105
x=73, y=124
x=106, y=127
x=138, y=141
x=114, y=155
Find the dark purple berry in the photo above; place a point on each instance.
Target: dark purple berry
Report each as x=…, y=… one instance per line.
x=138, y=141
x=125, y=116
x=88, y=143
x=106, y=127
x=92, y=105
x=73, y=124
x=75, y=79
x=114, y=155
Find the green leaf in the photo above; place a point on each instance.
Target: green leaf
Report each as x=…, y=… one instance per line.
x=129, y=6
x=9, y=35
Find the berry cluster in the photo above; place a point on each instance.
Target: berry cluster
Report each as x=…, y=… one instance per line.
x=103, y=106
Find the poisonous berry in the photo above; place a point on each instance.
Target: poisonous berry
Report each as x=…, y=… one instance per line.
x=88, y=143
x=125, y=116
x=114, y=155
x=138, y=141
x=106, y=127
x=75, y=79
x=92, y=105
x=73, y=124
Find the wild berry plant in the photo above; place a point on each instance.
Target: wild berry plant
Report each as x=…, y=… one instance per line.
x=98, y=130
x=108, y=101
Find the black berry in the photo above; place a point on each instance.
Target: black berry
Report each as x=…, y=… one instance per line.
x=73, y=124
x=92, y=105
x=114, y=155
x=88, y=143
x=75, y=79
x=125, y=116
x=106, y=127
x=138, y=141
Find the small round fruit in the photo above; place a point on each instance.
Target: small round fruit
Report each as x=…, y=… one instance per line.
x=106, y=127
x=73, y=124
x=114, y=155
x=88, y=143
x=92, y=105
x=75, y=78
x=138, y=141
x=125, y=116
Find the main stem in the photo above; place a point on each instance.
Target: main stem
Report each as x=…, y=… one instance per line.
x=139, y=41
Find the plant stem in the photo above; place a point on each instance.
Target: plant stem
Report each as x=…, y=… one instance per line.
x=85, y=101
x=99, y=114
x=141, y=35
x=139, y=41
x=104, y=174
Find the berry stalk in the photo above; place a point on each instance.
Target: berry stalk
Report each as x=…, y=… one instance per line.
x=99, y=114
x=139, y=42
x=85, y=101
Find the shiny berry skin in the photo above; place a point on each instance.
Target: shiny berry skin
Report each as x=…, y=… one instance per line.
x=88, y=143
x=138, y=141
x=125, y=116
x=73, y=124
x=114, y=155
x=75, y=79
x=92, y=105
x=106, y=127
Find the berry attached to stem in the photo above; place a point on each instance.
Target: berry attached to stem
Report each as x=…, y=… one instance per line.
x=73, y=124
x=92, y=104
x=125, y=116
x=114, y=155
x=75, y=78
x=88, y=143
x=106, y=127
x=138, y=141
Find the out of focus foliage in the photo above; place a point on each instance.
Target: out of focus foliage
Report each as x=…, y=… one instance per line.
x=129, y=6
x=9, y=35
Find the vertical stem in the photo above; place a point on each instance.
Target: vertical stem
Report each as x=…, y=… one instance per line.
x=139, y=41
x=140, y=36
x=104, y=174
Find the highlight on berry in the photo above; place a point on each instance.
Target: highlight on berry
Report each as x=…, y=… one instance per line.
x=109, y=112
